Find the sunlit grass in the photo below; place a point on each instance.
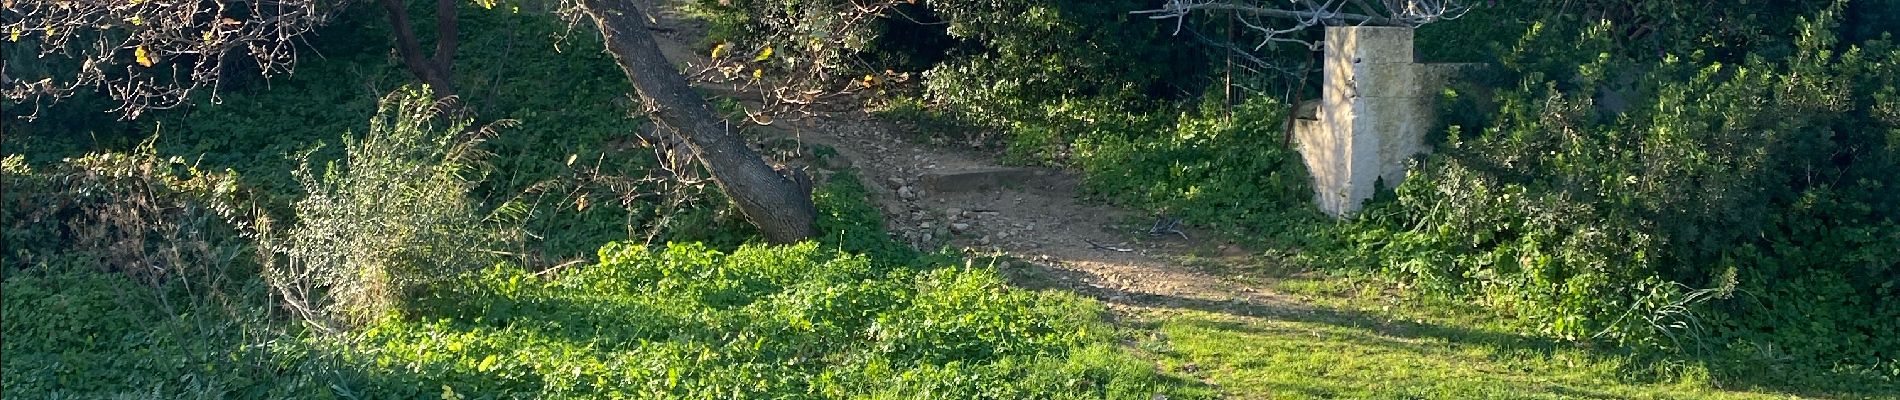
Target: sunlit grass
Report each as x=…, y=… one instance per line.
x=1351, y=339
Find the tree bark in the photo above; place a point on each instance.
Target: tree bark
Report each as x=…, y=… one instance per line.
x=433, y=70
x=446, y=32
x=779, y=206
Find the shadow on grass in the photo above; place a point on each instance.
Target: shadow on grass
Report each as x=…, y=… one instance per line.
x=357, y=376
x=1435, y=370
x=1641, y=367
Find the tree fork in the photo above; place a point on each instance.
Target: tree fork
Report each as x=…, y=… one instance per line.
x=437, y=69
x=774, y=203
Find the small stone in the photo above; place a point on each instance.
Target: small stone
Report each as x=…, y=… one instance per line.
x=954, y=212
x=985, y=240
x=907, y=193
x=925, y=225
x=897, y=182
x=959, y=227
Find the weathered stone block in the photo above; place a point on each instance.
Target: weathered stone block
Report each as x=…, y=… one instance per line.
x=1373, y=116
x=1387, y=80
x=1370, y=44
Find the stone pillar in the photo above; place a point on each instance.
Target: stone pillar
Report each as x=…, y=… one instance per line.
x=1372, y=118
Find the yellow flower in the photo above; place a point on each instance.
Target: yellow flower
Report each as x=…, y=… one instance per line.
x=763, y=55
x=144, y=57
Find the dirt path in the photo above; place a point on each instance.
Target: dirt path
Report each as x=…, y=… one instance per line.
x=936, y=195
x=1033, y=216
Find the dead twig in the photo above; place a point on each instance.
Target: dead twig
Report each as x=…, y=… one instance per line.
x=1166, y=225
x=1099, y=246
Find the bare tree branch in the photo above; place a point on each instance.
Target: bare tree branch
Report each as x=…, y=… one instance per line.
x=147, y=54
x=1309, y=12
x=1277, y=21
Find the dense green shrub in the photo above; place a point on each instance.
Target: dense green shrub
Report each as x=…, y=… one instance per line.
x=153, y=218
x=1037, y=69
x=1026, y=68
x=1233, y=174
x=1740, y=208
x=1017, y=54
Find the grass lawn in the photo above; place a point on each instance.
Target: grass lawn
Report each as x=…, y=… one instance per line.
x=1355, y=341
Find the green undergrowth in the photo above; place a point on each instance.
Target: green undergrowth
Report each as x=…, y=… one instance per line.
x=1738, y=214
x=91, y=319
x=1364, y=337
x=166, y=301
x=853, y=224
x=799, y=321
x=680, y=322
x=75, y=331
x=1233, y=172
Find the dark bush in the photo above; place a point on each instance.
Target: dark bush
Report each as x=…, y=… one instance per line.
x=1734, y=208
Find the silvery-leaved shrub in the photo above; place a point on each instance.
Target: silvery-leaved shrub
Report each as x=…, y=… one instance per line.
x=388, y=219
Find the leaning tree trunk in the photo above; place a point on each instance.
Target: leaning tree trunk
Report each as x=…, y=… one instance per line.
x=778, y=206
